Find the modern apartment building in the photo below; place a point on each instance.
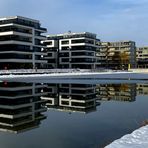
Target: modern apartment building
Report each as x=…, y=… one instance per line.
x=71, y=97
x=20, y=43
x=142, y=57
x=72, y=50
x=116, y=55
x=21, y=106
x=102, y=55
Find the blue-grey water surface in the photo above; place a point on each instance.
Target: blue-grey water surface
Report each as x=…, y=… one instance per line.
x=113, y=116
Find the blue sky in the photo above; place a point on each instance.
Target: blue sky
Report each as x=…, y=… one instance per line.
x=111, y=20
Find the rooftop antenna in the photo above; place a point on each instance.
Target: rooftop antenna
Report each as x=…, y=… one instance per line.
x=69, y=31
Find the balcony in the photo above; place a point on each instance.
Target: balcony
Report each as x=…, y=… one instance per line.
x=82, y=60
x=24, y=22
x=82, y=54
x=16, y=29
x=15, y=56
x=15, y=38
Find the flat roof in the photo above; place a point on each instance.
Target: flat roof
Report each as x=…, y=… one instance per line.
x=20, y=17
x=70, y=34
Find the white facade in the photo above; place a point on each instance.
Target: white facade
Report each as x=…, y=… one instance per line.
x=73, y=50
x=20, y=43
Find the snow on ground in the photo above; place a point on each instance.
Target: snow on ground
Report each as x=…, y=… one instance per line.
x=137, y=139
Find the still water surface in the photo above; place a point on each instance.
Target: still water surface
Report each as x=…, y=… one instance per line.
x=70, y=115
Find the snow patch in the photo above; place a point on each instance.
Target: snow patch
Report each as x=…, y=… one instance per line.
x=137, y=139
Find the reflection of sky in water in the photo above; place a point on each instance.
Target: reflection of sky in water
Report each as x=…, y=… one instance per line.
x=66, y=128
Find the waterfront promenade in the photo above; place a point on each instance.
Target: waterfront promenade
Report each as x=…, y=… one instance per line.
x=71, y=74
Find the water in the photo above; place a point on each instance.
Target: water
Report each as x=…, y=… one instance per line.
x=69, y=114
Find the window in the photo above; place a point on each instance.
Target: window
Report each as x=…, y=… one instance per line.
x=65, y=42
x=64, y=102
x=78, y=41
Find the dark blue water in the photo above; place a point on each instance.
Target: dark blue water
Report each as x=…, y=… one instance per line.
x=118, y=109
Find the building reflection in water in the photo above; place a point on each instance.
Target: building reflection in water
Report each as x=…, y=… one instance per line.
x=21, y=106
x=86, y=97
x=142, y=89
x=118, y=92
x=72, y=97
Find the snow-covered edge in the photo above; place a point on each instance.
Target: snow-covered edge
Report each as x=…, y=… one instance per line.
x=137, y=139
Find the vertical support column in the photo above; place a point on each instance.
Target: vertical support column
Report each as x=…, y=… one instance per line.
x=70, y=93
x=33, y=43
x=33, y=89
x=33, y=104
x=33, y=111
x=33, y=36
x=33, y=60
x=70, y=53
